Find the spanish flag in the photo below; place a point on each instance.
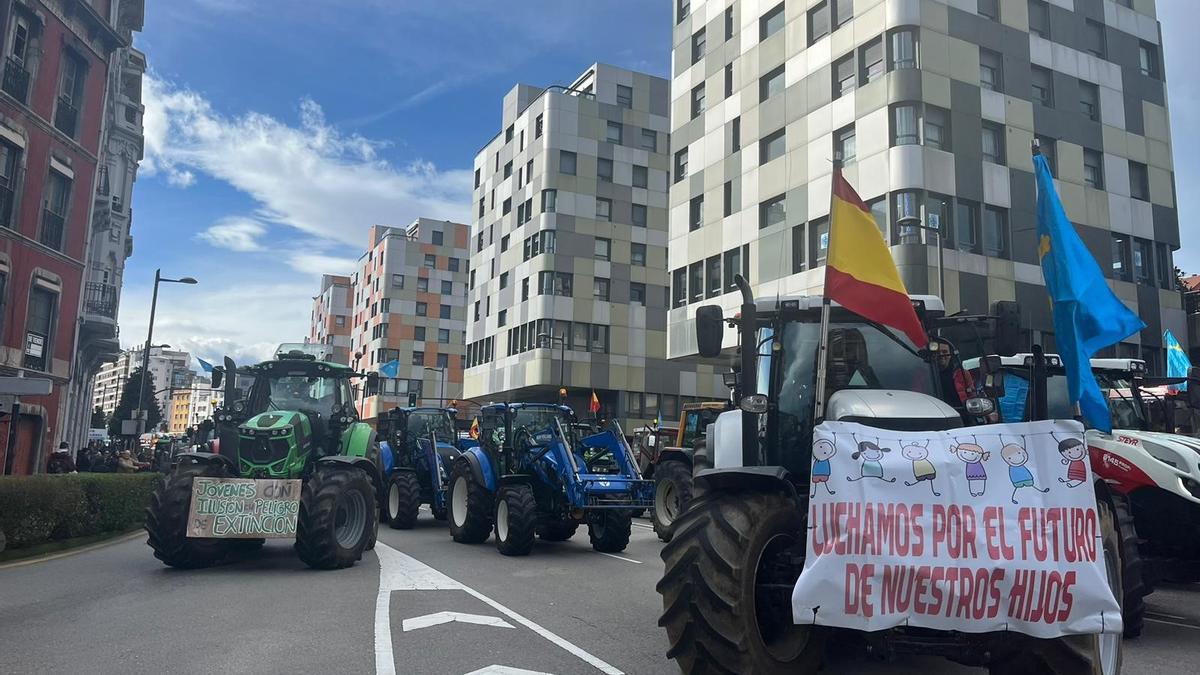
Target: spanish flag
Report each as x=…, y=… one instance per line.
x=475, y=428
x=860, y=274
x=595, y=405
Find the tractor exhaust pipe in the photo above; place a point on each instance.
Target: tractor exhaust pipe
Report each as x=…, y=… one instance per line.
x=748, y=336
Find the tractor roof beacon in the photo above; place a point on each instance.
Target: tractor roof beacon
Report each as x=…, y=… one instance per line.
x=418, y=448
x=738, y=550
x=292, y=417
x=533, y=473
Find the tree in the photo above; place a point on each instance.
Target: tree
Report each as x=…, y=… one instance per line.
x=128, y=403
x=99, y=419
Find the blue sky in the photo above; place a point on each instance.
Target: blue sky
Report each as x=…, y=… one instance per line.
x=279, y=131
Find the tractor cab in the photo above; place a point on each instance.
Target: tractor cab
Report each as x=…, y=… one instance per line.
x=412, y=435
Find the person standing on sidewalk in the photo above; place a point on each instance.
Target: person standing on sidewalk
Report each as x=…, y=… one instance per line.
x=60, y=460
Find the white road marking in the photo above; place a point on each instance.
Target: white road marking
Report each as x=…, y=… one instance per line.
x=400, y=572
x=1173, y=623
x=505, y=670
x=635, y=562
x=439, y=618
x=1164, y=614
x=644, y=527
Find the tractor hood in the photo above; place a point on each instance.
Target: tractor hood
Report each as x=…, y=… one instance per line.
x=1181, y=452
x=272, y=423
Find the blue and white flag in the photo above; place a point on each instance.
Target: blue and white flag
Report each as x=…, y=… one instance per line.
x=1178, y=363
x=391, y=369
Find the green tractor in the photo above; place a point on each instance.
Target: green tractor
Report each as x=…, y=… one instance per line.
x=291, y=459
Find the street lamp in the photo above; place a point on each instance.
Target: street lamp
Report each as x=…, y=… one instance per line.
x=158, y=278
x=915, y=222
x=442, y=383
x=562, y=358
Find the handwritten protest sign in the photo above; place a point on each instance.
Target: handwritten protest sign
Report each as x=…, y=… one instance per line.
x=974, y=529
x=240, y=508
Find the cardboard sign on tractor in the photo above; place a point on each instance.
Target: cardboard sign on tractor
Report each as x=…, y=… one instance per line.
x=241, y=508
x=991, y=528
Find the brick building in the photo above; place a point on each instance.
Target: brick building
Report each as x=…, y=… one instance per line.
x=329, y=323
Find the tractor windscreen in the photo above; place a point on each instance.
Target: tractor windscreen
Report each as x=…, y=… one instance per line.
x=423, y=423
x=300, y=392
x=1127, y=412
x=1014, y=403
x=538, y=422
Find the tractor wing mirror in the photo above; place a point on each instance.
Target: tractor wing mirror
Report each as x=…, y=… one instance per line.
x=218, y=375
x=1193, y=390
x=710, y=330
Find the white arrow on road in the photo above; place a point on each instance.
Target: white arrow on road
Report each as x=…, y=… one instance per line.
x=419, y=622
x=505, y=670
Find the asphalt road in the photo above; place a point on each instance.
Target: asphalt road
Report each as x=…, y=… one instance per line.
x=420, y=604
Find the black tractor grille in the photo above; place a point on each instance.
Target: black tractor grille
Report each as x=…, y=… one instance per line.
x=261, y=450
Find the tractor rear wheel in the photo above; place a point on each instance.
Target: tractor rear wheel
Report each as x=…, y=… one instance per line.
x=727, y=587
x=609, y=530
x=1133, y=584
x=516, y=520
x=337, y=517
x=558, y=531
x=403, y=500
x=167, y=515
x=672, y=492
x=470, y=506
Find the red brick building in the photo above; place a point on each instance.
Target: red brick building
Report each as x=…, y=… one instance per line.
x=54, y=55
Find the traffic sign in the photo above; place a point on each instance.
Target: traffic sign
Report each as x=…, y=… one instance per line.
x=25, y=386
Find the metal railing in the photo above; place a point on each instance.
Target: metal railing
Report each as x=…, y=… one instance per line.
x=52, y=229
x=16, y=79
x=66, y=117
x=100, y=298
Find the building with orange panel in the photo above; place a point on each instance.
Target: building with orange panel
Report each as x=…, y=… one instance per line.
x=329, y=323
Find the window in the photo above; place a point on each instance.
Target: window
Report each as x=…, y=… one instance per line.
x=522, y=147
x=844, y=144
x=437, y=237
x=695, y=281
x=418, y=335
x=422, y=309
x=1049, y=149
x=508, y=133
x=843, y=11
x=602, y=249
x=54, y=210
x=1089, y=100
x=681, y=164
x=937, y=128
x=17, y=75
x=637, y=254
x=879, y=212
x=904, y=48
x=991, y=70
x=1043, y=87
x=423, y=284
x=698, y=46
x=603, y=209
x=727, y=201
x=844, y=79
x=397, y=281
x=771, y=22
x=641, y=176
x=39, y=328
x=818, y=21
x=549, y=197
x=524, y=289
x=504, y=243
x=1139, y=181
x=624, y=96
x=938, y=214
x=907, y=209
x=477, y=177
x=473, y=277
x=904, y=124
x=444, y=336
x=431, y=261
x=502, y=317
x=566, y=162
x=538, y=126
x=682, y=8
x=481, y=207
x=1094, y=40
x=1093, y=169
x=799, y=259
x=418, y=358
x=637, y=215
x=339, y=321
x=735, y=264
x=600, y=289
x=1148, y=59
x=819, y=244
x=10, y=163
x=772, y=146
x=729, y=25
x=728, y=80
x=993, y=143
x=679, y=287
x=989, y=9
x=599, y=341
x=70, y=93
x=871, y=58
x=444, y=311
x=637, y=294
x=772, y=212
x=615, y=132
x=508, y=169
x=696, y=213
x=712, y=271
x=503, y=282
x=604, y=170
x=650, y=140
x=1120, y=257
x=452, y=264
x=529, y=171
x=506, y=207
x=1162, y=263
x=966, y=219
x=698, y=101
x=1039, y=18
x=771, y=84
x=1143, y=271
x=735, y=134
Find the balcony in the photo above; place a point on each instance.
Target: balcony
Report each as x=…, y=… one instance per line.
x=16, y=80
x=66, y=117
x=6, y=206
x=52, y=229
x=101, y=299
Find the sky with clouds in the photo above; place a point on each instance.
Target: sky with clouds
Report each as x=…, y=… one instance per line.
x=277, y=133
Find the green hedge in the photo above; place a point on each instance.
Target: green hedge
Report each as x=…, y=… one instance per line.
x=36, y=509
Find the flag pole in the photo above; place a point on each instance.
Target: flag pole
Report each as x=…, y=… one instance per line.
x=823, y=349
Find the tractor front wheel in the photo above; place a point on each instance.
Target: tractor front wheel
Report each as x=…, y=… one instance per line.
x=470, y=506
x=672, y=492
x=403, y=500
x=516, y=520
x=609, y=530
x=167, y=515
x=337, y=517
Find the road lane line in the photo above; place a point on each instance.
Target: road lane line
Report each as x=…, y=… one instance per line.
x=74, y=551
x=1173, y=623
x=439, y=618
x=1169, y=616
x=635, y=562
x=400, y=572
x=644, y=527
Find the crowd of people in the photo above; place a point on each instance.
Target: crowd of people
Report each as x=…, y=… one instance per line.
x=108, y=457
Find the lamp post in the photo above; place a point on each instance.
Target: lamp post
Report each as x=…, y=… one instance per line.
x=441, y=383
x=562, y=358
x=915, y=222
x=158, y=278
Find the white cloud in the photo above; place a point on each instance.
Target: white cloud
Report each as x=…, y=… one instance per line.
x=235, y=234
x=320, y=263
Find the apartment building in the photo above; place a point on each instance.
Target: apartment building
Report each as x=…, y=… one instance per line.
x=933, y=106
x=568, y=282
x=329, y=322
x=410, y=307
x=170, y=369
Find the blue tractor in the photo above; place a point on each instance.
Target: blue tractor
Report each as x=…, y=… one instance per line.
x=418, y=448
x=536, y=473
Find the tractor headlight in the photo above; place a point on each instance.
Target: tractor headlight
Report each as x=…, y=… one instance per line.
x=239, y=407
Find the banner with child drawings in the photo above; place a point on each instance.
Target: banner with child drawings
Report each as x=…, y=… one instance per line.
x=975, y=529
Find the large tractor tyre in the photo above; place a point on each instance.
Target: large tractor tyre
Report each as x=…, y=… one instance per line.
x=559, y=531
x=726, y=589
x=337, y=517
x=470, y=506
x=1133, y=584
x=403, y=501
x=516, y=520
x=166, y=520
x=609, y=531
x=672, y=492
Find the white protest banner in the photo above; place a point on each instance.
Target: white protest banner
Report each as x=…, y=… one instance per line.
x=244, y=508
x=975, y=529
